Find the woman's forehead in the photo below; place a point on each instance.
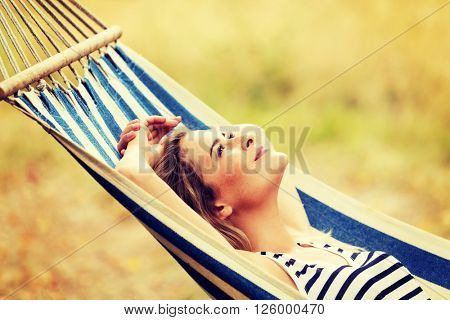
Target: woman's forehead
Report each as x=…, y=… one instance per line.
x=205, y=135
x=200, y=138
x=205, y=138
x=197, y=146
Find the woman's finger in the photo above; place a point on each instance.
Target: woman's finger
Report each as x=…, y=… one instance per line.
x=132, y=122
x=158, y=126
x=154, y=120
x=172, y=122
x=167, y=125
x=160, y=120
x=153, y=134
x=131, y=127
x=123, y=142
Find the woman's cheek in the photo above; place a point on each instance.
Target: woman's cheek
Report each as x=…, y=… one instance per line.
x=235, y=163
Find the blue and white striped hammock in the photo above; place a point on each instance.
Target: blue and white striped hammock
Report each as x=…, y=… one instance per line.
x=121, y=86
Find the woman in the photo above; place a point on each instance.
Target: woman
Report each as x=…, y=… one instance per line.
x=230, y=178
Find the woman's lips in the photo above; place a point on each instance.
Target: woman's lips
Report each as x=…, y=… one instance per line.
x=260, y=152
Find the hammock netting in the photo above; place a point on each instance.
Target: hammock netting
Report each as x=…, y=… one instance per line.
x=84, y=106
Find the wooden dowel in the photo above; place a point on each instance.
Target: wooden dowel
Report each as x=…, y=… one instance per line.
x=58, y=61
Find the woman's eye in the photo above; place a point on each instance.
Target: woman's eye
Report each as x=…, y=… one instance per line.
x=220, y=150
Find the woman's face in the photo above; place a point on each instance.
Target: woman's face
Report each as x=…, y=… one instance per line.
x=237, y=161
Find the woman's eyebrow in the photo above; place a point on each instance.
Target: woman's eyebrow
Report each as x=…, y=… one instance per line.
x=212, y=146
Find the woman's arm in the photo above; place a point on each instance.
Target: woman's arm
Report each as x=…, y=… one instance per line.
x=135, y=166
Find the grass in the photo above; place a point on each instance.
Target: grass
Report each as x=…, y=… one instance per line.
x=379, y=133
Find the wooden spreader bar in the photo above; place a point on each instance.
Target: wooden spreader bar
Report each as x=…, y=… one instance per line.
x=60, y=60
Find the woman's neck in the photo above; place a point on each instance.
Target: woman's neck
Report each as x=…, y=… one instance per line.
x=264, y=227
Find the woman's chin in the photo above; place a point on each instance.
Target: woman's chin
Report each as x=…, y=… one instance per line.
x=284, y=160
x=280, y=162
x=274, y=165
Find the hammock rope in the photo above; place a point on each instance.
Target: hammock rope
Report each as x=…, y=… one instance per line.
x=58, y=21
x=49, y=23
x=21, y=32
x=88, y=13
x=118, y=86
x=5, y=73
x=47, y=34
x=75, y=14
x=68, y=19
x=14, y=42
x=9, y=53
x=37, y=39
x=32, y=22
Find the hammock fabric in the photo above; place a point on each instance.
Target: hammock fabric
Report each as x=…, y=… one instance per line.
x=120, y=86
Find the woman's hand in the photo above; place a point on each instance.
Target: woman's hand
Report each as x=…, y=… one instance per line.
x=127, y=135
x=159, y=126
x=152, y=129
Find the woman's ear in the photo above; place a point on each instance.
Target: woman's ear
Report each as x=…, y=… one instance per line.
x=223, y=211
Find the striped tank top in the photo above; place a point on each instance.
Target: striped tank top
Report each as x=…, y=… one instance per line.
x=372, y=275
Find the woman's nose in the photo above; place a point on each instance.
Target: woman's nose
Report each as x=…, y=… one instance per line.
x=247, y=141
x=242, y=141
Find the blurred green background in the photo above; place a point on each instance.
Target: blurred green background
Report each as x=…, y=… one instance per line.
x=380, y=133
